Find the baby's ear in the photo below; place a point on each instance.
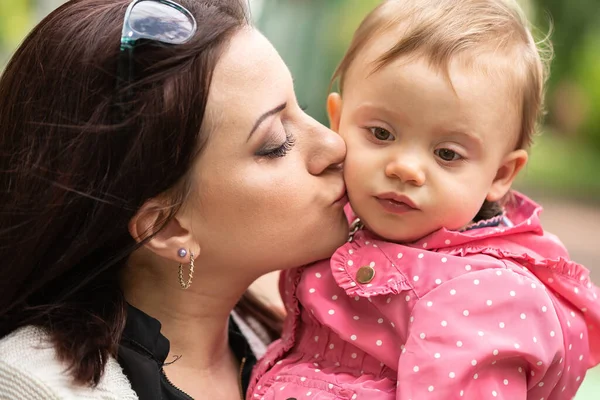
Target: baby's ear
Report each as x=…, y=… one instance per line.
x=334, y=111
x=506, y=174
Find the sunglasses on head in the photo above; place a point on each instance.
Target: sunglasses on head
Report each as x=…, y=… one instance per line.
x=161, y=21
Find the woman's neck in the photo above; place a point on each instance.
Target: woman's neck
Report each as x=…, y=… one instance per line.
x=195, y=320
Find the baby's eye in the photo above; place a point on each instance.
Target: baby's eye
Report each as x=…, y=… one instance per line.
x=447, y=155
x=381, y=134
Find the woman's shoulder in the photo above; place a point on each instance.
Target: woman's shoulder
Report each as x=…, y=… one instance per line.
x=30, y=369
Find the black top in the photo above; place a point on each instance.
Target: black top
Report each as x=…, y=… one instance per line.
x=143, y=351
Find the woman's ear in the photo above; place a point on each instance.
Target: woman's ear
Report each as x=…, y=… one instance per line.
x=334, y=111
x=166, y=242
x=506, y=174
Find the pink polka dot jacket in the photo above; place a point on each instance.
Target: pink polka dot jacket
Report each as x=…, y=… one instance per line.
x=489, y=313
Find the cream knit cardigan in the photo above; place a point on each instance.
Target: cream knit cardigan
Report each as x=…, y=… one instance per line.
x=30, y=370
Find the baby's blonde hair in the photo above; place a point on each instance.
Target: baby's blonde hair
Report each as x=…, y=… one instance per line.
x=443, y=29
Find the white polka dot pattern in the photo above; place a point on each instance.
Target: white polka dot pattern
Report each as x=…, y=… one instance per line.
x=459, y=322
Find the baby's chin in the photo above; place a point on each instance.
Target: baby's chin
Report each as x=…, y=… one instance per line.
x=405, y=232
x=397, y=234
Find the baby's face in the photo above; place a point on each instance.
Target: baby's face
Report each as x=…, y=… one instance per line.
x=423, y=154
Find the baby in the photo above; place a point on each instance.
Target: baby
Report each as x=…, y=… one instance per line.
x=448, y=287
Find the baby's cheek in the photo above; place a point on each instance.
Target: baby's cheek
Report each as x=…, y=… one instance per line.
x=462, y=208
x=354, y=176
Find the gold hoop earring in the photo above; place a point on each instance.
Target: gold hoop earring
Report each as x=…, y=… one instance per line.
x=188, y=283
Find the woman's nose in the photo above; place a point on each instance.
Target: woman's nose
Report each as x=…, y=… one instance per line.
x=407, y=168
x=327, y=149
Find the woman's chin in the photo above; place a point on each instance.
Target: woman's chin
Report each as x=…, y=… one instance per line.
x=336, y=237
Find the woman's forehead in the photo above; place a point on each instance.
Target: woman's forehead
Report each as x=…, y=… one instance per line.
x=249, y=76
x=250, y=63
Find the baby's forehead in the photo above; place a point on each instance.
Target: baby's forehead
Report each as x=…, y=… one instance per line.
x=389, y=46
x=483, y=63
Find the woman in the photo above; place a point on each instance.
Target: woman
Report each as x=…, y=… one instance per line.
x=128, y=172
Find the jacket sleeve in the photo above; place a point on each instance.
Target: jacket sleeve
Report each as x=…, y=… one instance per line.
x=489, y=334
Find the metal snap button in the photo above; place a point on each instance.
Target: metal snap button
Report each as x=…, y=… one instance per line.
x=365, y=274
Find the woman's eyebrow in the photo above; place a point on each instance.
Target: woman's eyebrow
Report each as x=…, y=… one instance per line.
x=266, y=115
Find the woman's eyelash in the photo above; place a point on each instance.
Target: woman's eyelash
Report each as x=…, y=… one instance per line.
x=280, y=151
x=303, y=107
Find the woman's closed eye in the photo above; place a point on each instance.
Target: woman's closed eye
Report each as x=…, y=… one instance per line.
x=381, y=134
x=281, y=150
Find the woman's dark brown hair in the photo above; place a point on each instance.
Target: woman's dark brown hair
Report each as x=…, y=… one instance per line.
x=74, y=170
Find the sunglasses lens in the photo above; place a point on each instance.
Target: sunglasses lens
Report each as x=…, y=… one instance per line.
x=161, y=22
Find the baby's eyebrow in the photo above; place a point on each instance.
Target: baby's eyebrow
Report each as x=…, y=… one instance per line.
x=391, y=112
x=471, y=137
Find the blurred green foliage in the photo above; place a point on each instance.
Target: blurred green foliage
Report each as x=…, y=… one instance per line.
x=587, y=77
x=572, y=22
x=560, y=166
x=576, y=41
x=15, y=20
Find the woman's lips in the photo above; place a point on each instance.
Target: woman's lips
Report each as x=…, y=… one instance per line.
x=342, y=199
